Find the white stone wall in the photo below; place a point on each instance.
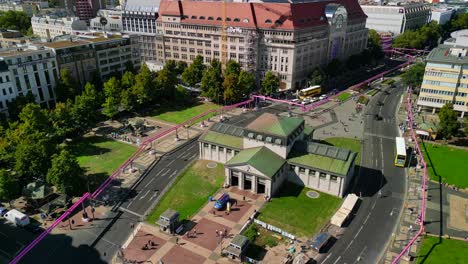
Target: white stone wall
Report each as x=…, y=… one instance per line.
x=216, y=153
x=312, y=179
x=278, y=149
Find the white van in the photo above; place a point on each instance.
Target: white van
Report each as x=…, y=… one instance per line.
x=323, y=96
x=17, y=218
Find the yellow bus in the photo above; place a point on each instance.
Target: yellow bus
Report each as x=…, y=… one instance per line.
x=309, y=92
x=400, y=157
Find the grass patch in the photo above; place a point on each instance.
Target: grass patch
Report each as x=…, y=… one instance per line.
x=191, y=191
x=363, y=100
x=347, y=143
x=178, y=114
x=260, y=238
x=448, y=163
x=435, y=250
x=343, y=97
x=388, y=81
x=372, y=92
x=305, y=215
x=101, y=155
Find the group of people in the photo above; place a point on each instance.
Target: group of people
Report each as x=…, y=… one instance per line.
x=149, y=245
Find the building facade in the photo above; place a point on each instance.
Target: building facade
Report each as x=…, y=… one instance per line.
x=87, y=9
x=271, y=150
x=11, y=38
x=441, y=15
x=7, y=91
x=139, y=18
x=396, y=17
x=289, y=39
x=49, y=27
x=31, y=69
x=112, y=21
x=446, y=75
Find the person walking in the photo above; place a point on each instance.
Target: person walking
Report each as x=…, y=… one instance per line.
x=177, y=241
x=217, y=234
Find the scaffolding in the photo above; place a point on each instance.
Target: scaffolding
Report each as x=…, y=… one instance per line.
x=250, y=52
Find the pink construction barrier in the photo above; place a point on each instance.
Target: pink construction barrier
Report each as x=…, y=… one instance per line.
x=423, y=162
x=48, y=230
x=279, y=101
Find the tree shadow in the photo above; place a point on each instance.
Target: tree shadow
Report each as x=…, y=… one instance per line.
x=86, y=146
x=256, y=252
x=424, y=257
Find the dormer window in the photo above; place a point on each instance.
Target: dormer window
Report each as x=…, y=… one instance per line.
x=219, y=19
x=210, y=18
x=236, y=19
x=245, y=20
x=278, y=22
x=228, y=19
x=194, y=17
x=268, y=21
x=202, y=17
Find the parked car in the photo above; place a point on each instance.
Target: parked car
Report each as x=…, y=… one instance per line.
x=3, y=211
x=323, y=97
x=17, y=218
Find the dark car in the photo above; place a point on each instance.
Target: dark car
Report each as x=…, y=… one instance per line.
x=380, y=103
x=377, y=117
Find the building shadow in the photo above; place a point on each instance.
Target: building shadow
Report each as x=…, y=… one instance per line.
x=368, y=182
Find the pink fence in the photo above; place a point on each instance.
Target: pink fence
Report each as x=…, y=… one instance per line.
x=423, y=162
x=122, y=167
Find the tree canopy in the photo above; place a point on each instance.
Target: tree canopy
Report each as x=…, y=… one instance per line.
x=270, y=84
x=211, y=83
x=414, y=75
x=427, y=35
x=448, y=122
x=67, y=87
x=194, y=73
x=15, y=20
x=66, y=174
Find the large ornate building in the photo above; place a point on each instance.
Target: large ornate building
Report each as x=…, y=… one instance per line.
x=272, y=149
x=287, y=38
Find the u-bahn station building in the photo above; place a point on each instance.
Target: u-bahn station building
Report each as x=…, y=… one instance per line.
x=272, y=149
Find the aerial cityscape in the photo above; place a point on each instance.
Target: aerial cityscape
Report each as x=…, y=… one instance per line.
x=234, y=131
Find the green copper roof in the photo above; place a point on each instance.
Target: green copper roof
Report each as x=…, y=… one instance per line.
x=308, y=130
x=222, y=139
x=275, y=125
x=332, y=165
x=261, y=158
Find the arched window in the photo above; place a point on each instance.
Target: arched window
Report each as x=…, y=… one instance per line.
x=268, y=21
x=219, y=19
x=202, y=17
x=194, y=17
x=236, y=19
x=245, y=20
x=210, y=18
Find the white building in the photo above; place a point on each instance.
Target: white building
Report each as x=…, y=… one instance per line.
x=31, y=69
x=112, y=21
x=396, y=17
x=272, y=149
x=7, y=91
x=442, y=15
x=49, y=27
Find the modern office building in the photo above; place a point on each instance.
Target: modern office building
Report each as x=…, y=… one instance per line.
x=87, y=9
x=396, y=17
x=287, y=38
x=272, y=149
x=30, y=69
x=139, y=18
x=49, y=27
x=441, y=15
x=112, y=21
x=446, y=76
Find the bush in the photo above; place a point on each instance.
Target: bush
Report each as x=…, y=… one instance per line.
x=363, y=100
x=251, y=232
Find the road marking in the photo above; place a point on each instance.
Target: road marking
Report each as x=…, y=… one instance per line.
x=360, y=254
x=164, y=174
x=181, y=154
x=130, y=211
x=149, y=182
x=154, y=195
x=326, y=258
x=338, y=259
x=173, y=174
x=141, y=197
x=367, y=218
x=358, y=232
x=170, y=163
x=193, y=156
x=350, y=243
x=381, y=154
x=191, y=147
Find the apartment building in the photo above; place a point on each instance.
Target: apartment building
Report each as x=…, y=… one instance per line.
x=289, y=39
x=446, y=76
x=87, y=9
x=396, y=17
x=112, y=21
x=49, y=27
x=11, y=38
x=139, y=17
x=7, y=91
x=30, y=69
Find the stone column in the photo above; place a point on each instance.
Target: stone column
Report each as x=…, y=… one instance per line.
x=254, y=184
x=241, y=180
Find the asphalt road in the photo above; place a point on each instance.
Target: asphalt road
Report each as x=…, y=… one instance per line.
x=381, y=185
x=99, y=243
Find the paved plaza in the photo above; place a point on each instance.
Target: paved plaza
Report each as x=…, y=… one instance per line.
x=201, y=243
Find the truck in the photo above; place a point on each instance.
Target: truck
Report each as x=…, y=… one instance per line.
x=18, y=218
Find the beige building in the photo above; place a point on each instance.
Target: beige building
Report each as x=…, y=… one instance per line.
x=289, y=39
x=11, y=38
x=446, y=76
x=49, y=27
x=272, y=149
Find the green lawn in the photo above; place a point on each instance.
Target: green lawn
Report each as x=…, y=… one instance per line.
x=440, y=251
x=348, y=143
x=448, y=163
x=178, y=114
x=343, y=97
x=191, y=191
x=298, y=214
x=101, y=155
x=372, y=92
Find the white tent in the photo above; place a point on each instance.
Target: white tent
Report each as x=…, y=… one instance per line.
x=346, y=208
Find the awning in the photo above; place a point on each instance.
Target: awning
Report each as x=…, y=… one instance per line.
x=422, y=132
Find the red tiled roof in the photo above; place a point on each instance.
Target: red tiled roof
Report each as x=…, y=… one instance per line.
x=262, y=15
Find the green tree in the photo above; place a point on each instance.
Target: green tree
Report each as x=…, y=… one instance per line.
x=448, y=124
x=317, y=77
x=246, y=83
x=353, y=62
x=194, y=73
x=34, y=119
x=84, y=110
x=270, y=84
x=374, y=45
x=17, y=104
x=112, y=92
x=182, y=95
x=181, y=66
x=460, y=21
x=66, y=174
x=129, y=67
x=9, y=187
x=67, y=87
x=143, y=90
x=334, y=68
x=231, y=92
x=61, y=119
x=211, y=83
x=232, y=67
x=15, y=20
x=128, y=80
x=414, y=75
x=167, y=80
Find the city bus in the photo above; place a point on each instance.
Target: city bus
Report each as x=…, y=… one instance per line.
x=308, y=92
x=400, y=157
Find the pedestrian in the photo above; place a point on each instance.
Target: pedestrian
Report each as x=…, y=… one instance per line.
x=214, y=212
x=225, y=232
x=217, y=234
x=243, y=198
x=195, y=232
x=177, y=241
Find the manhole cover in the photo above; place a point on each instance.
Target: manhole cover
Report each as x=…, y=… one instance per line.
x=212, y=165
x=313, y=194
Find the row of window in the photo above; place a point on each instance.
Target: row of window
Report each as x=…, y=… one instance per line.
x=220, y=149
x=313, y=173
x=20, y=60
x=441, y=74
x=438, y=83
x=432, y=91
x=442, y=65
x=434, y=100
